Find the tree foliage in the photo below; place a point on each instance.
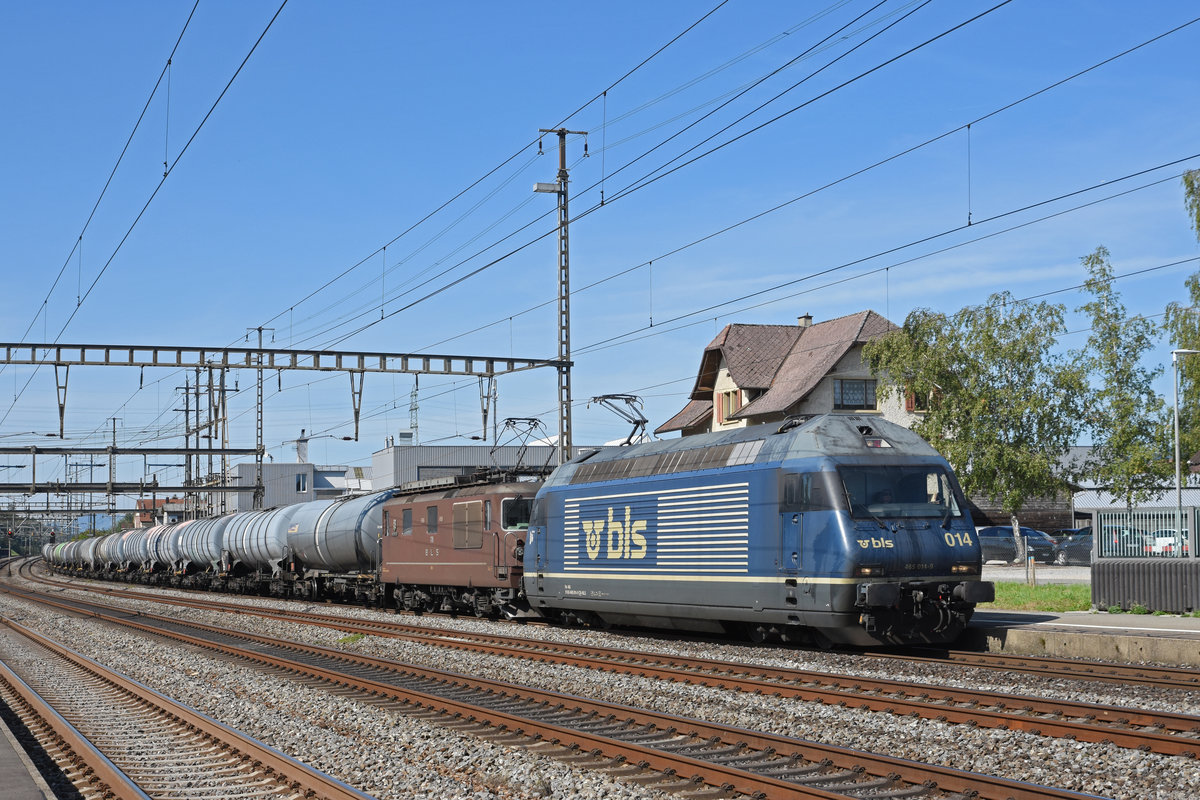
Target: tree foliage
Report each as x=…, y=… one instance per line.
x=1191, y=197
x=1182, y=327
x=1004, y=409
x=1126, y=418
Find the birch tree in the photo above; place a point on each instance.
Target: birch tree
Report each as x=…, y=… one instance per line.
x=1182, y=327
x=1128, y=421
x=1004, y=409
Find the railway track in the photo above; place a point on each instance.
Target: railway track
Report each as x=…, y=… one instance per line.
x=1046, y=667
x=1160, y=732
x=640, y=745
x=114, y=738
x=1074, y=669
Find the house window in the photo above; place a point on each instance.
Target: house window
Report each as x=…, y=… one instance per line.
x=915, y=403
x=302, y=483
x=856, y=395
x=731, y=403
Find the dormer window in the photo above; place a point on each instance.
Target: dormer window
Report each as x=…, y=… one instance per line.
x=730, y=404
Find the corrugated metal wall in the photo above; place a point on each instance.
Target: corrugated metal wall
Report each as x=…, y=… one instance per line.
x=1171, y=585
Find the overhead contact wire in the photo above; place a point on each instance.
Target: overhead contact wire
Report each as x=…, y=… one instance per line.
x=153, y=194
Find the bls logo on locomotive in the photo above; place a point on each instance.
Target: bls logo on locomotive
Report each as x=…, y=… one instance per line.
x=623, y=539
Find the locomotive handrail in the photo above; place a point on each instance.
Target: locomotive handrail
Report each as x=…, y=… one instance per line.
x=504, y=546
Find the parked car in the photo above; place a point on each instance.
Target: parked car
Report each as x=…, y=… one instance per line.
x=1166, y=542
x=1060, y=535
x=997, y=544
x=1118, y=541
x=1037, y=544
x=1075, y=549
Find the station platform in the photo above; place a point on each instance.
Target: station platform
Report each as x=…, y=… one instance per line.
x=19, y=778
x=1098, y=635
x=1168, y=639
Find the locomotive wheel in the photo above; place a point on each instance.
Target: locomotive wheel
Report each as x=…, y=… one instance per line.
x=756, y=633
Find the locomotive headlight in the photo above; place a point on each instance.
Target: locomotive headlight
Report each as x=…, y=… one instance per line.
x=962, y=569
x=866, y=572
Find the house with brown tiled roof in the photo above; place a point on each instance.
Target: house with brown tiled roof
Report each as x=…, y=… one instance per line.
x=758, y=374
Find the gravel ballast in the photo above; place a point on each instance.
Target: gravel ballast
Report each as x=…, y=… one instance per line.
x=392, y=755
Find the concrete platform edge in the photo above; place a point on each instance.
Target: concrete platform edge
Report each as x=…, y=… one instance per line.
x=1102, y=647
x=17, y=789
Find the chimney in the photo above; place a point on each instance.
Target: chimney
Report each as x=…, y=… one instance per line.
x=805, y=321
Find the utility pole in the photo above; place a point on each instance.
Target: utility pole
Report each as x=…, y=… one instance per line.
x=564, y=291
x=413, y=408
x=258, y=459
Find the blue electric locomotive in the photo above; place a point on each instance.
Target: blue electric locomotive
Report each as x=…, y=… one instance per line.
x=836, y=528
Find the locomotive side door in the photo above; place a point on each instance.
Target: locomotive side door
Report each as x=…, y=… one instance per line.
x=791, y=529
x=796, y=488
x=535, y=543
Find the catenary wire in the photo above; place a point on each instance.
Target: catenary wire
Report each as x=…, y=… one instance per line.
x=508, y=160
x=372, y=307
x=104, y=190
x=845, y=178
x=643, y=183
x=613, y=85
x=897, y=248
x=150, y=200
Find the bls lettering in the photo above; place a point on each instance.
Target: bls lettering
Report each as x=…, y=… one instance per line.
x=623, y=539
x=873, y=542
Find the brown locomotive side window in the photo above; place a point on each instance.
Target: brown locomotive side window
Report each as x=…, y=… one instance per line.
x=515, y=513
x=487, y=515
x=406, y=522
x=468, y=525
x=431, y=520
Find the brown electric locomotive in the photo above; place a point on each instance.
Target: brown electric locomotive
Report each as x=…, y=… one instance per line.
x=456, y=546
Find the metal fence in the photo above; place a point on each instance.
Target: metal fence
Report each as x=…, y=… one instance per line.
x=1145, y=533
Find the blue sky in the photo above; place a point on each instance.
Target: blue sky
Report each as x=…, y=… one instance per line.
x=352, y=122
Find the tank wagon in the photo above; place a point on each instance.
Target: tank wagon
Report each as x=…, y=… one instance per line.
x=835, y=529
x=838, y=528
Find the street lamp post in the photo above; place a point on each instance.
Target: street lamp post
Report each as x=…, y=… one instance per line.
x=1175, y=354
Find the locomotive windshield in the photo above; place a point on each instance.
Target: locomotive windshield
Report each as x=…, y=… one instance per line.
x=900, y=491
x=514, y=513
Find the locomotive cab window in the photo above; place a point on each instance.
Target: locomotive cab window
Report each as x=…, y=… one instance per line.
x=810, y=491
x=901, y=491
x=431, y=520
x=514, y=513
x=406, y=522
